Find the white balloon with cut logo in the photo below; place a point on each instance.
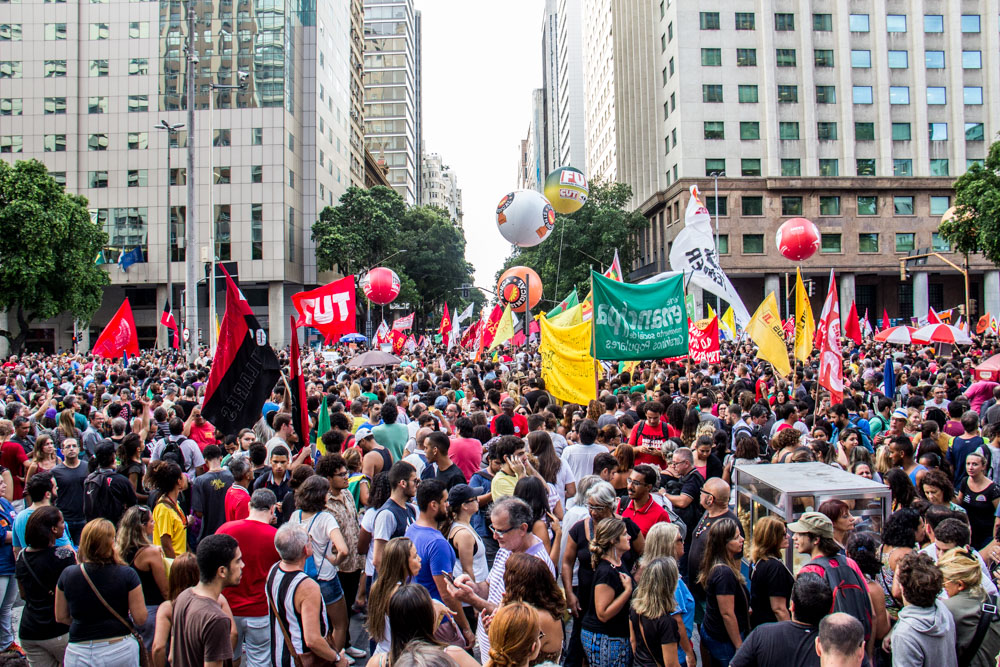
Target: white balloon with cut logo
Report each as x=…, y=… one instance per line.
x=525, y=218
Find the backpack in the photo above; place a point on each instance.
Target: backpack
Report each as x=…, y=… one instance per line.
x=172, y=452
x=850, y=593
x=98, y=501
x=866, y=439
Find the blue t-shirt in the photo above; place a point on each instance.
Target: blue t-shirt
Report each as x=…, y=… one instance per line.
x=436, y=556
x=685, y=607
x=7, y=519
x=22, y=520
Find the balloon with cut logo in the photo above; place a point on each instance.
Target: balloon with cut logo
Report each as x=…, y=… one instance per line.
x=520, y=286
x=797, y=239
x=566, y=189
x=525, y=218
x=380, y=285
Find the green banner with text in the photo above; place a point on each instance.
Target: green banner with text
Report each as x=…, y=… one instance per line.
x=639, y=322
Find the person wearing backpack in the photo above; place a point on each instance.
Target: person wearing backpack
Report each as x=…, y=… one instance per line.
x=813, y=536
x=179, y=449
x=106, y=493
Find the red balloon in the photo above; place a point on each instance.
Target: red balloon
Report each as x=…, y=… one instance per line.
x=380, y=285
x=797, y=239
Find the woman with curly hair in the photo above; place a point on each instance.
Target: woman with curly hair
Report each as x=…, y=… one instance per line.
x=784, y=444
x=937, y=488
x=170, y=521
x=527, y=579
x=515, y=636
x=863, y=547
x=903, y=531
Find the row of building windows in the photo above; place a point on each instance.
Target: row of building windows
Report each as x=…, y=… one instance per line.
x=137, y=178
x=829, y=205
x=785, y=22
x=827, y=131
x=711, y=93
x=14, y=106
x=901, y=167
x=832, y=243
x=860, y=58
x=13, y=32
x=13, y=69
x=100, y=141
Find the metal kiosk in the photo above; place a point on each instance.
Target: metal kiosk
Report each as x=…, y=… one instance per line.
x=787, y=490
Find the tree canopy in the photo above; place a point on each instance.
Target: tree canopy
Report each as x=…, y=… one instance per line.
x=601, y=226
x=48, y=246
x=975, y=224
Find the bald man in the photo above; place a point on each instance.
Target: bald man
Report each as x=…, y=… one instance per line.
x=841, y=641
x=715, y=501
x=418, y=458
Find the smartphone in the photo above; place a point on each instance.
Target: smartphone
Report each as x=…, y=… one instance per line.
x=447, y=577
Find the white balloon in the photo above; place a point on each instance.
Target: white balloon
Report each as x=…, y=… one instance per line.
x=525, y=218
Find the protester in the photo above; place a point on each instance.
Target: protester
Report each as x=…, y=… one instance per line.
x=527, y=579
x=171, y=530
x=841, y=641
x=515, y=636
x=965, y=598
x=925, y=633
x=727, y=619
x=771, y=581
x=135, y=546
x=70, y=476
x=470, y=550
x=654, y=635
x=980, y=497
x=208, y=493
x=394, y=516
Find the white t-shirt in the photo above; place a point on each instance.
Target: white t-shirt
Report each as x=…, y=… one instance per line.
x=368, y=523
x=319, y=526
x=580, y=459
x=189, y=450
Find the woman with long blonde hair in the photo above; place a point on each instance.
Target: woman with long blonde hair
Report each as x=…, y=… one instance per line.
x=654, y=634
x=963, y=582
x=515, y=637
x=400, y=563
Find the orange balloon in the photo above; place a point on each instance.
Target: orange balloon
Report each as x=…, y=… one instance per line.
x=521, y=287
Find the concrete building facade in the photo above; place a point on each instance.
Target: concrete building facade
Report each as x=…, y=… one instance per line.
x=440, y=186
x=572, y=141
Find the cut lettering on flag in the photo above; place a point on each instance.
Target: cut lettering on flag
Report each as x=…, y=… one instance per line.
x=244, y=370
x=636, y=322
x=404, y=323
x=120, y=336
x=300, y=408
x=766, y=331
x=694, y=253
x=703, y=340
x=167, y=320
x=831, y=364
x=805, y=327
x=329, y=309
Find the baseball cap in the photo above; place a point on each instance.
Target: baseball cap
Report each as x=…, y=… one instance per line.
x=813, y=522
x=900, y=413
x=441, y=402
x=362, y=433
x=461, y=493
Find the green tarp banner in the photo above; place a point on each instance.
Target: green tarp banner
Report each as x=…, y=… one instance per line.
x=638, y=322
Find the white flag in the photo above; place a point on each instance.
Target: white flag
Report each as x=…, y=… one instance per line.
x=465, y=314
x=694, y=252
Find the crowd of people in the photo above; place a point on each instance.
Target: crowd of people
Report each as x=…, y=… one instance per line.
x=454, y=512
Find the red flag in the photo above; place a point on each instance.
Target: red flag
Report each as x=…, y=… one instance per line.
x=471, y=334
x=300, y=407
x=119, y=336
x=403, y=323
x=534, y=328
x=703, y=340
x=328, y=309
x=983, y=324
x=489, y=331
x=831, y=365
x=852, y=329
x=518, y=339
x=398, y=341
x=244, y=370
x=445, y=327
x=886, y=323
x=167, y=320
x=932, y=317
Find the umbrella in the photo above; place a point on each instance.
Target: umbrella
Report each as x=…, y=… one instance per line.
x=988, y=369
x=901, y=335
x=353, y=338
x=373, y=358
x=941, y=333
x=889, y=379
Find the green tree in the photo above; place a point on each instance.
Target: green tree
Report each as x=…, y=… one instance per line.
x=975, y=225
x=604, y=224
x=360, y=231
x=48, y=247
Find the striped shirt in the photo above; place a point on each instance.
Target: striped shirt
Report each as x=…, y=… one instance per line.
x=281, y=587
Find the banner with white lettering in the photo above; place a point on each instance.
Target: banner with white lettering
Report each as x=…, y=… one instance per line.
x=328, y=309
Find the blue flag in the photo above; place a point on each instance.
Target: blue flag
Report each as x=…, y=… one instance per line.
x=133, y=256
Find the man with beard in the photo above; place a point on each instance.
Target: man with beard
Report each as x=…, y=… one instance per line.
x=437, y=558
x=41, y=490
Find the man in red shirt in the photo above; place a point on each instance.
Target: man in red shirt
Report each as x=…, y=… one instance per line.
x=238, y=495
x=648, y=436
x=642, y=507
x=520, y=421
x=13, y=458
x=199, y=429
x=255, y=535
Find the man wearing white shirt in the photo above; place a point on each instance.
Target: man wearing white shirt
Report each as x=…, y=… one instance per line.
x=579, y=458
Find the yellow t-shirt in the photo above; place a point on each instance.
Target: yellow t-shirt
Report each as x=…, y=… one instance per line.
x=503, y=485
x=167, y=521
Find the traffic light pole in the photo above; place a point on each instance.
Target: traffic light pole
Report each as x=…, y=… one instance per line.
x=963, y=271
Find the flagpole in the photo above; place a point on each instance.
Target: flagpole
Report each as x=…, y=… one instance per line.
x=593, y=337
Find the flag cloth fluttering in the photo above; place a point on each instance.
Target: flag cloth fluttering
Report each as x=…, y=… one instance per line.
x=567, y=367
x=728, y=323
x=852, y=328
x=505, y=328
x=831, y=364
x=571, y=300
x=805, y=327
x=167, y=320
x=119, y=337
x=766, y=331
x=322, y=426
x=300, y=409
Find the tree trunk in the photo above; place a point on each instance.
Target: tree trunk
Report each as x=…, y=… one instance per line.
x=17, y=342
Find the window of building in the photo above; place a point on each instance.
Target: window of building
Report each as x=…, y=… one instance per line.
x=55, y=31
x=901, y=132
x=970, y=23
x=904, y=242
x=223, y=231
x=933, y=23
x=257, y=173
x=937, y=95
x=823, y=57
x=939, y=167
x=138, y=30
x=98, y=179
x=753, y=244
x=788, y=130
x=829, y=205
x=715, y=129
x=670, y=67
x=970, y=162
x=663, y=42
x=784, y=57
x=222, y=175
x=938, y=131
x=823, y=22
x=97, y=142
x=974, y=132
x=868, y=242
x=830, y=243
x=291, y=141
x=51, y=68
x=972, y=59
x=723, y=244
x=902, y=205
x=826, y=94
x=291, y=179
x=137, y=178
x=940, y=204
x=864, y=131
x=98, y=67
x=99, y=31
x=858, y=22
x=291, y=234
x=750, y=167
x=939, y=244
x=826, y=131
x=663, y=76
x=899, y=60
x=861, y=59
x=59, y=177
x=934, y=59
x=138, y=103
x=55, y=105
x=11, y=143
x=711, y=92
x=138, y=66
x=745, y=21
x=865, y=166
x=178, y=176
x=784, y=22
x=222, y=138
x=861, y=94
x=752, y=206
x=709, y=58
x=138, y=141
x=746, y=57
x=670, y=32
x=747, y=94
x=97, y=104
x=829, y=167
x=10, y=32
x=256, y=136
x=791, y=206
x=256, y=231
x=867, y=205
x=902, y=167
x=11, y=69
x=714, y=166
x=54, y=143
x=788, y=94
x=972, y=95
x=723, y=206
x=895, y=23
x=749, y=130
x=899, y=94
x=11, y=106
x=791, y=167
x=709, y=20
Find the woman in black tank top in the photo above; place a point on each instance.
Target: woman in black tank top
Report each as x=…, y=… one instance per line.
x=135, y=545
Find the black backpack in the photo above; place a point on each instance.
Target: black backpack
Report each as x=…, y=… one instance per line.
x=850, y=592
x=172, y=452
x=98, y=500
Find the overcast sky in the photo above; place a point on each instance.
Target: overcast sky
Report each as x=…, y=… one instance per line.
x=481, y=60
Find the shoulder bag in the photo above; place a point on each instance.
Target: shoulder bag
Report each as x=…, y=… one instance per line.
x=299, y=659
x=144, y=660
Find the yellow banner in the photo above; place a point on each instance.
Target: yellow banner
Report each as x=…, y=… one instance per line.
x=505, y=329
x=805, y=327
x=567, y=367
x=766, y=331
x=569, y=317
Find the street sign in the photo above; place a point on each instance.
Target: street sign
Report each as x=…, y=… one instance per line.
x=186, y=334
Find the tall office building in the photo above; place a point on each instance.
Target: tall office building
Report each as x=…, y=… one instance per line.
x=857, y=116
x=550, y=84
x=440, y=186
x=599, y=91
x=535, y=167
x=392, y=91
x=572, y=141
x=84, y=86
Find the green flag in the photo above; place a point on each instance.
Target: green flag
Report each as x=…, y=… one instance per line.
x=322, y=425
x=689, y=306
x=636, y=322
x=567, y=303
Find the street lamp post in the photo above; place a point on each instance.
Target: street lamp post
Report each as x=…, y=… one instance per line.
x=191, y=214
x=171, y=130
